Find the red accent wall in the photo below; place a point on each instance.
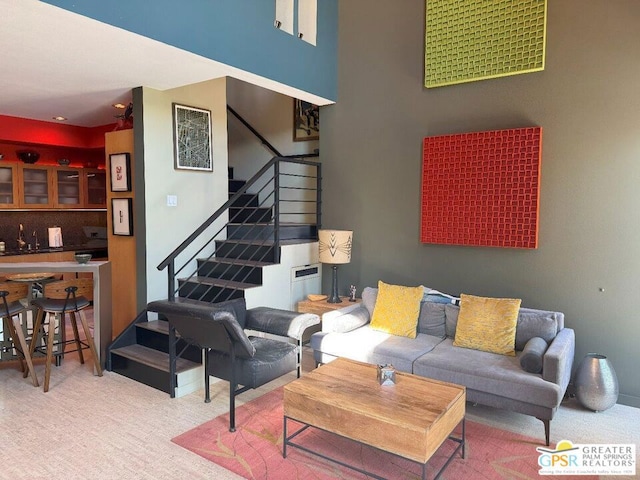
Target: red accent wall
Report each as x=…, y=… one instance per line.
x=482, y=188
x=36, y=132
x=83, y=146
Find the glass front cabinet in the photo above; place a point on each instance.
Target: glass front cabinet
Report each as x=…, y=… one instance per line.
x=36, y=187
x=95, y=188
x=8, y=186
x=68, y=192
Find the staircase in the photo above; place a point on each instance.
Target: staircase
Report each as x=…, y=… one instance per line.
x=224, y=268
x=248, y=248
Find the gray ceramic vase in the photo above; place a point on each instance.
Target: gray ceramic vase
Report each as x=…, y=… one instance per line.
x=596, y=383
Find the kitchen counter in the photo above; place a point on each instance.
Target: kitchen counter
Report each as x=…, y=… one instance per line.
x=98, y=251
x=101, y=272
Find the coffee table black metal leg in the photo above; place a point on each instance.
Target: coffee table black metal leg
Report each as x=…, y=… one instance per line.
x=284, y=436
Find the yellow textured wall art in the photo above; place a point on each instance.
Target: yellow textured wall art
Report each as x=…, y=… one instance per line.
x=469, y=40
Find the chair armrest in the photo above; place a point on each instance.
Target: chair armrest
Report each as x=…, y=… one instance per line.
x=283, y=323
x=558, y=359
x=345, y=319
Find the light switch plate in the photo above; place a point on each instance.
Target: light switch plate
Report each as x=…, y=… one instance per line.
x=172, y=200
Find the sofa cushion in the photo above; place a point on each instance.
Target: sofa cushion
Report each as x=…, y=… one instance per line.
x=451, y=313
x=499, y=375
x=372, y=346
x=531, y=323
x=369, y=297
x=397, y=309
x=535, y=323
x=532, y=355
x=487, y=324
x=432, y=319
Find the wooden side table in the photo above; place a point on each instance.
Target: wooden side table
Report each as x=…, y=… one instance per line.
x=322, y=306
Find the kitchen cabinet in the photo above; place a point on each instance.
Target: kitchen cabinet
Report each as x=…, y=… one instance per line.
x=51, y=187
x=68, y=191
x=35, y=187
x=8, y=186
x=95, y=184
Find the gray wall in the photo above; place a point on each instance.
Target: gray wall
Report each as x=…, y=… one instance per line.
x=587, y=100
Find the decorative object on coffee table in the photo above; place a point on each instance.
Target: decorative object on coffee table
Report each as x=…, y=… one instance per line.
x=596, y=383
x=335, y=249
x=386, y=375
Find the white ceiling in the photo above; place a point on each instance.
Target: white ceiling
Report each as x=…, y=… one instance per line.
x=54, y=62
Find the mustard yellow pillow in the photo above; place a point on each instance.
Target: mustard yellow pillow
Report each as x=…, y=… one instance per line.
x=487, y=324
x=397, y=309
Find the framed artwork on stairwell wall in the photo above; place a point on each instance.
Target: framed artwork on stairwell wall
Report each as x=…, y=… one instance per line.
x=192, y=138
x=122, y=216
x=306, y=121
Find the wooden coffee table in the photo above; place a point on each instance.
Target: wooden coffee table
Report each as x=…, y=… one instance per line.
x=410, y=419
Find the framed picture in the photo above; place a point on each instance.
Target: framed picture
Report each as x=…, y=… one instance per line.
x=192, y=138
x=122, y=211
x=306, y=121
x=120, y=164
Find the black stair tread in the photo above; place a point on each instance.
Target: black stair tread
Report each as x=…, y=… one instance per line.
x=236, y=261
x=267, y=243
x=215, y=282
x=271, y=222
x=153, y=358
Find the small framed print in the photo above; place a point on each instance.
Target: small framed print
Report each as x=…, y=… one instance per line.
x=122, y=211
x=120, y=164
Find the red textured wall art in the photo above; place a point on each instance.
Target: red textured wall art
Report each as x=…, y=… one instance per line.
x=482, y=188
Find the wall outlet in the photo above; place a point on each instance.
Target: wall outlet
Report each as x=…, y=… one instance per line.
x=172, y=200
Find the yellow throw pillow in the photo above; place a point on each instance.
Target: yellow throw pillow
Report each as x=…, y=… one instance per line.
x=397, y=309
x=487, y=324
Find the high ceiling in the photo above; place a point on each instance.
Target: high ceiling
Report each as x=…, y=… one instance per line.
x=57, y=63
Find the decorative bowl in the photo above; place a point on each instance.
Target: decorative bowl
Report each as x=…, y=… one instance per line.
x=28, y=156
x=82, y=257
x=63, y=162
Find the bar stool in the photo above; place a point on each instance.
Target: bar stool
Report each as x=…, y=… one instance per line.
x=10, y=309
x=60, y=298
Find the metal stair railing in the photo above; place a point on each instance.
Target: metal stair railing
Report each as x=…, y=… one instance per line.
x=286, y=187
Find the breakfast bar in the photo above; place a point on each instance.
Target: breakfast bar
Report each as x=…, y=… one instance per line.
x=101, y=271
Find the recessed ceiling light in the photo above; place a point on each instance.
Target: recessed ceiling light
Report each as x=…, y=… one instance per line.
x=119, y=105
x=60, y=119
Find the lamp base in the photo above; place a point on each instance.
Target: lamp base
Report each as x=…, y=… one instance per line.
x=334, y=297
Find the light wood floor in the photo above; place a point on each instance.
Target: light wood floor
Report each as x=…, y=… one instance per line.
x=111, y=427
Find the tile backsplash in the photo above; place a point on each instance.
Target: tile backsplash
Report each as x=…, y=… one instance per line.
x=70, y=221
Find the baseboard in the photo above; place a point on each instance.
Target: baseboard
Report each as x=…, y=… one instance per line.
x=629, y=400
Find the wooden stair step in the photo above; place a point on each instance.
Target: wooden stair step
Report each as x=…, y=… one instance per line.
x=153, y=358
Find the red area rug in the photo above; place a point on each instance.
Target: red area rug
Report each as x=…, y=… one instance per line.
x=254, y=451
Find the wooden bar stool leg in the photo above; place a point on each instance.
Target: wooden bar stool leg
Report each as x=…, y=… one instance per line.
x=50, y=335
x=76, y=335
x=92, y=345
x=25, y=349
x=10, y=326
x=37, y=325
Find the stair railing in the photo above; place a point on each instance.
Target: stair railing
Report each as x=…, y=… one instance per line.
x=286, y=187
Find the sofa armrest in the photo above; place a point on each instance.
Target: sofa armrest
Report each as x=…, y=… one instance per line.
x=558, y=359
x=345, y=319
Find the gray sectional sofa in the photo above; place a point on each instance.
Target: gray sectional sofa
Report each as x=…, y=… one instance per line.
x=491, y=379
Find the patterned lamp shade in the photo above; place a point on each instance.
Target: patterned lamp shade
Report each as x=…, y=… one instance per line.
x=335, y=246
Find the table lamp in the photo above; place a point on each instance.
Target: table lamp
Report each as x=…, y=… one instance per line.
x=335, y=249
